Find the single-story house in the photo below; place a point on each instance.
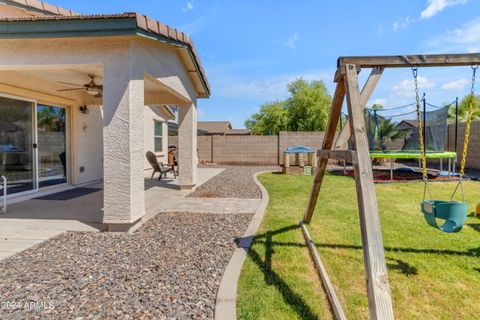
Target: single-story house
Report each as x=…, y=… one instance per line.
x=221, y=128
x=83, y=97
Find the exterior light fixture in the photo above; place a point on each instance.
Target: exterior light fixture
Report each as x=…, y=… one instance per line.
x=84, y=109
x=93, y=91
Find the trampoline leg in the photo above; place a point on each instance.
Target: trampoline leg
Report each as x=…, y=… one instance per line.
x=391, y=168
x=441, y=164
x=344, y=166
x=449, y=168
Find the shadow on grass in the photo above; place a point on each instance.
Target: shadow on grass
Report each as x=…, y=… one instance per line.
x=472, y=252
x=293, y=299
x=474, y=226
x=402, y=267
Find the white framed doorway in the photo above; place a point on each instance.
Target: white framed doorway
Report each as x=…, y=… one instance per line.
x=34, y=144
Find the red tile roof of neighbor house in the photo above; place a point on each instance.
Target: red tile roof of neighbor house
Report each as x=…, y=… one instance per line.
x=220, y=128
x=214, y=127
x=238, y=132
x=143, y=22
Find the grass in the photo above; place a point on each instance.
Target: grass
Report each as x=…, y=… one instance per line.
x=432, y=274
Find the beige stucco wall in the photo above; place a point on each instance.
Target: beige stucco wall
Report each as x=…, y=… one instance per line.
x=125, y=63
x=87, y=147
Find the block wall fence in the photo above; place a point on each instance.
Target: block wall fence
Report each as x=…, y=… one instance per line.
x=268, y=150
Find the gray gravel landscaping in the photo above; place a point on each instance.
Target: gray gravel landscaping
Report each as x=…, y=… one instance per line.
x=233, y=182
x=170, y=268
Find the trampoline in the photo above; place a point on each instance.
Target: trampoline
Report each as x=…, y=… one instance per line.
x=393, y=133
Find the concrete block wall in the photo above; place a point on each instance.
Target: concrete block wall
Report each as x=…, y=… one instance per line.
x=473, y=155
x=204, y=145
x=290, y=139
x=245, y=149
x=268, y=150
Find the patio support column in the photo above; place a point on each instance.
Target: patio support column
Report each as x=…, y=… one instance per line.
x=123, y=140
x=187, y=146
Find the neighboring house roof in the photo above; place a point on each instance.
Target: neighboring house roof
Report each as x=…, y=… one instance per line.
x=38, y=7
x=214, y=127
x=173, y=129
x=238, y=132
x=406, y=124
x=106, y=25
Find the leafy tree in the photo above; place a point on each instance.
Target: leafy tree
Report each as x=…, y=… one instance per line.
x=308, y=106
x=377, y=106
x=271, y=119
x=51, y=118
x=307, y=109
x=463, y=108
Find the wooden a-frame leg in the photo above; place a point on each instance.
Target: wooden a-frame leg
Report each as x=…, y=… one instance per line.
x=331, y=129
x=378, y=288
x=327, y=145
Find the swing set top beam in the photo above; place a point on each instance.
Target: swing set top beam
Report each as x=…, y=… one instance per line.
x=405, y=61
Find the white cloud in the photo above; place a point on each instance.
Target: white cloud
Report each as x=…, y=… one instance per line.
x=406, y=88
x=402, y=23
x=188, y=6
x=455, y=85
x=465, y=38
x=291, y=41
x=381, y=101
x=436, y=6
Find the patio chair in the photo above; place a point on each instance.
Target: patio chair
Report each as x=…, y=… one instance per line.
x=158, y=166
x=173, y=158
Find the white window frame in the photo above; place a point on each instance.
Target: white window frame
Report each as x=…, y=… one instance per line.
x=155, y=136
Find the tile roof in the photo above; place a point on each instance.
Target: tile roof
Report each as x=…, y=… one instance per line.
x=238, y=132
x=214, y=127
x=43, y=6
x=143, y=22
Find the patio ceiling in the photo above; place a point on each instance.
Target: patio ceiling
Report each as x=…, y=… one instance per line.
x=48, y=80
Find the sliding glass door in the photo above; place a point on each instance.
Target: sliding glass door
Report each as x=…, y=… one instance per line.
x=33, y=144
x=52, y=145
x=17, y=158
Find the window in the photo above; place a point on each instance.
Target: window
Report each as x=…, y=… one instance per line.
x=158, y=136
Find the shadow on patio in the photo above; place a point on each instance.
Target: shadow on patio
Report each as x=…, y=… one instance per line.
x=85, y=204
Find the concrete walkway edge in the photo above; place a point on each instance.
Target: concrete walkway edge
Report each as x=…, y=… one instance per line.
x=226, y=302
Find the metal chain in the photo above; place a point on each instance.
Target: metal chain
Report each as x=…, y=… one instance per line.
x=469, y=122
x=419, y=123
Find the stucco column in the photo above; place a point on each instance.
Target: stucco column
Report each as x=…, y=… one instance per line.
x=123, y=144
x=187, y=146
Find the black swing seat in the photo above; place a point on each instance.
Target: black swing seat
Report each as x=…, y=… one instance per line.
x=453, y=212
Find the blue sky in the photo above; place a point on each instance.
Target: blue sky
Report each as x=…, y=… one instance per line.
x=252, y=49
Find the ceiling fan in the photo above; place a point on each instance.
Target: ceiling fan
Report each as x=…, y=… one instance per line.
x=91, y=87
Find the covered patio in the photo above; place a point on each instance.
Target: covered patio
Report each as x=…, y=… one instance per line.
x=32, y=221
x=138, y=66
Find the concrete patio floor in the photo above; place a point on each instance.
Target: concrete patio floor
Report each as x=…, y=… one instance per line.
x=32, y=221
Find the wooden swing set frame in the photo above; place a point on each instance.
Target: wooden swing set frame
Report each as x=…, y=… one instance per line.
x=346, y=78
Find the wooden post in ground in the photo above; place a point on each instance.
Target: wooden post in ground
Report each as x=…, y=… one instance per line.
x=331, y=129
x=327, y=145
x=378, y=288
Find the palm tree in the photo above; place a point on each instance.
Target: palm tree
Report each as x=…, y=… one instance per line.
x=388, y=132
x=51, y=118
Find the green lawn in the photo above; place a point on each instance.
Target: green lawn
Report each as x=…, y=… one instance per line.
x=432, y=275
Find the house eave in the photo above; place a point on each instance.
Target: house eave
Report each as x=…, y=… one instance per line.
x=76, y=27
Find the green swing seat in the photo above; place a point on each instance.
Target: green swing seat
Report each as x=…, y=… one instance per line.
x=453, y=212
